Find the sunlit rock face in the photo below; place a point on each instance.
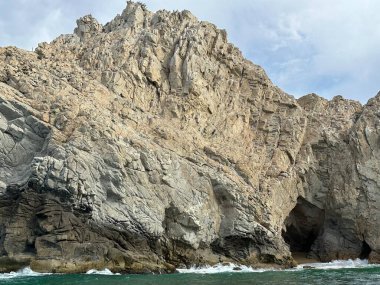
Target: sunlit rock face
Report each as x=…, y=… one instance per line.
x=151, y=143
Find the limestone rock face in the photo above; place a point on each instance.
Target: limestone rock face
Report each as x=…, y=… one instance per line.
x=151, y=143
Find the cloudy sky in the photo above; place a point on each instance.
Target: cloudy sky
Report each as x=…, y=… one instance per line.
x=322, y=46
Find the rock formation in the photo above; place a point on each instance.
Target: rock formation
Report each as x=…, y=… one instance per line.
x=151, y=143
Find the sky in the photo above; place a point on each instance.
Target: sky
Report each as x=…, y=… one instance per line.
x=321, y=46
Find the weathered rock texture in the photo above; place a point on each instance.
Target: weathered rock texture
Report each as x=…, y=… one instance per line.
x=151, y=143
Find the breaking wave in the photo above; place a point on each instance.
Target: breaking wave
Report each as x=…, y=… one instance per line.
x=105, y=271
x=338, y=264
x=221, y=268
x=25, y=272
x=230, y=267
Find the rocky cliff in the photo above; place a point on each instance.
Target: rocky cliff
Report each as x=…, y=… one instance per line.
x=151, y=143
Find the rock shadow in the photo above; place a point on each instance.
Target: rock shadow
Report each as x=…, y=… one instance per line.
x=302, y=226
x=365, y=251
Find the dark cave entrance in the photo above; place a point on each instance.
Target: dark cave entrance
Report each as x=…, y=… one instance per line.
x=366, y=250
x=302, y=226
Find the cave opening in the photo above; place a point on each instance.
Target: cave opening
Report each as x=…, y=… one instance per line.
x=302, y=227
x=366, y=250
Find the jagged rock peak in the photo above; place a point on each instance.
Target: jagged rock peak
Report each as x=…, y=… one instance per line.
x=86, y=26
x=137, y=16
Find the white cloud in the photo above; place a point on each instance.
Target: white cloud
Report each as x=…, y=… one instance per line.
x=323, y=46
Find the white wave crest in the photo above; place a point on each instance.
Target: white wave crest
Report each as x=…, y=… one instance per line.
x=25, y=272
x=338, y=264
x=220, y=268
x=230, y=267
x=105, y=271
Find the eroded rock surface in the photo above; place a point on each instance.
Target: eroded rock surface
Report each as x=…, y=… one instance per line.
x=150, y=143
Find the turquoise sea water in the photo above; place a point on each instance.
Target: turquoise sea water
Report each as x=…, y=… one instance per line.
x=335, y=274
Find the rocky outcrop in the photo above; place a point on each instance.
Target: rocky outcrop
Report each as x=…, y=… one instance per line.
x=151, y=143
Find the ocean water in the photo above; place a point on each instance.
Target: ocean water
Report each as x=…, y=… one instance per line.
x=336, y=272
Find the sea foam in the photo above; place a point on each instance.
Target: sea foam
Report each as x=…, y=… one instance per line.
x=338, y=264
x=105, y=271
x=220, y=268
x=25, y=272
x=230, y=267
